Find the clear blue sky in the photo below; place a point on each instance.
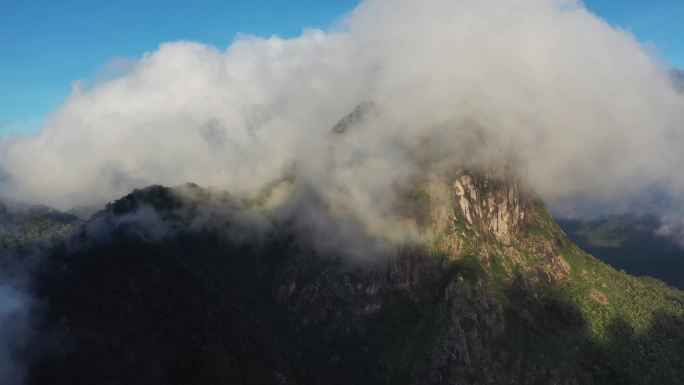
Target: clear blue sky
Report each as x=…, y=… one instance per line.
x=656, y=22
x=46, y=45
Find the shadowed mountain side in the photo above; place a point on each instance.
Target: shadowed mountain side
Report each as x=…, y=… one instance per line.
x=497, y=295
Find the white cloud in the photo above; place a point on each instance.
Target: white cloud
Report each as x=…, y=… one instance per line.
x=582, y=108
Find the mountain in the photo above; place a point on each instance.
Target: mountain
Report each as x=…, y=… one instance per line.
x=24, y=228
x=190, y=286
x=632, y=243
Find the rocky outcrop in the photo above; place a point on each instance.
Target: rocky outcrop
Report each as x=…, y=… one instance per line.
x=496, y=208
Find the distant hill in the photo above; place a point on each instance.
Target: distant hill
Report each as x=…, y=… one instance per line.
x=631, y=243
x=25, y=227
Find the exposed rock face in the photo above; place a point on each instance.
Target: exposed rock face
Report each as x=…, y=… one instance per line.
x=483, y=214
x=496, y=208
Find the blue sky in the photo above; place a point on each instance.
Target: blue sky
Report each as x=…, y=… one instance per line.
x=47, y=45
x=659, y=23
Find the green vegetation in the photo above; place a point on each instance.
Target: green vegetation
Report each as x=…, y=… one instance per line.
x=29, y=229
x=616, y=325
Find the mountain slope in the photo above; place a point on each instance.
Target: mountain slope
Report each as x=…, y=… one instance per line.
x=632, y=243
x=186, y=286
x=23, y=228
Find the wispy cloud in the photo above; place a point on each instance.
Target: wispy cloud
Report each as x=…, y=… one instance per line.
x=20, y=127
x=114, y=68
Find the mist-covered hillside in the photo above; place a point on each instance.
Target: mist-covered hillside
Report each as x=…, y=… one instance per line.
x=23, y=227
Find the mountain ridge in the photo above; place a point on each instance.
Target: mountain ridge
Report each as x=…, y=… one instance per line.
x=492, y=292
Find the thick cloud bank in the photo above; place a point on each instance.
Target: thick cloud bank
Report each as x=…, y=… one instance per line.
x=579, y=107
